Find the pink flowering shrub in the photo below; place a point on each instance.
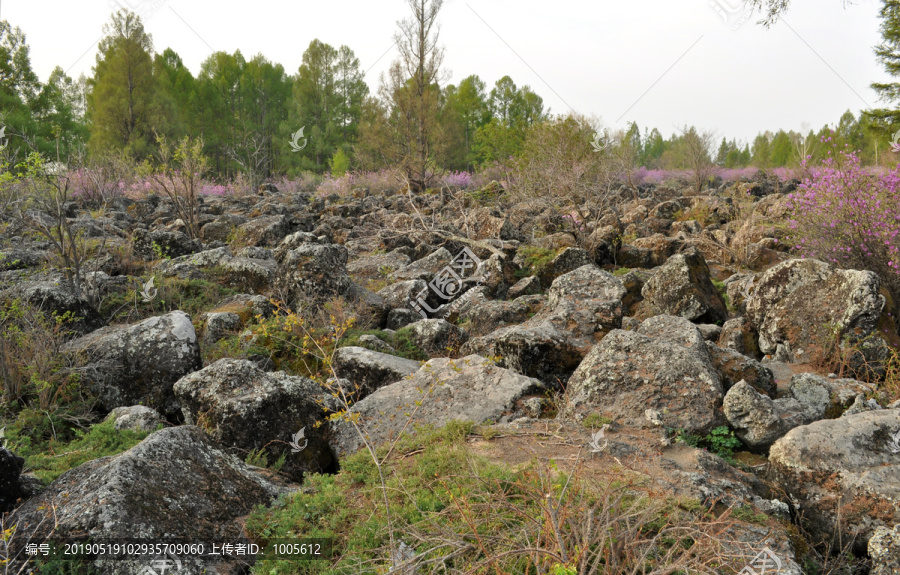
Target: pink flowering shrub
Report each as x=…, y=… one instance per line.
x=458, y=180
x=850, y=217
x=375, y=182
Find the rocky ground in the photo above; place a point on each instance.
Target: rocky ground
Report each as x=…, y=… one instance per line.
x=670, y=338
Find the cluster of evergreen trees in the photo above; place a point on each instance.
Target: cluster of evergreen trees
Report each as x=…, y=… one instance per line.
x=245, y=111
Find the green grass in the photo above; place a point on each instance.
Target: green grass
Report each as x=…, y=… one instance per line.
x=48, y=457
x=190, y=296
x=436, y=485
x=401, y=340
x=536, y=259
x=595, y=420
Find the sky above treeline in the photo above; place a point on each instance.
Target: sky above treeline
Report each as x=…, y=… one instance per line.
x=660, y=63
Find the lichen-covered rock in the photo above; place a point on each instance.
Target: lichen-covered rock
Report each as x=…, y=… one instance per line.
x=55, y=299
x=802, y=305
x=826, y=398
x=672, y=329
x=368, y=370
x=735, y=367
x=138, y=364
x=310, y=274
x=568, y=260
x=136, y=418
x=437, y=336
x=738, y=334
x=628, y=373
x=660, y=247
x=757, y=419
x=853, y=459
x=160, y=244
x=530, y=285
x=884, y=551
x=218, y=325
x=204, y=259
x=682, y=287
x=175, y=483
x=582, y=306
x=424, y=268
x=488, y=315
x=265, y=231
x=240, y=406
x=250, y=274
x=471, y=388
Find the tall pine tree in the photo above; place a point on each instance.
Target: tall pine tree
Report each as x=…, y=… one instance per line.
x=888, y=52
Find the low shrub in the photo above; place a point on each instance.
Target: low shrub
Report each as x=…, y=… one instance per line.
x=849, y=217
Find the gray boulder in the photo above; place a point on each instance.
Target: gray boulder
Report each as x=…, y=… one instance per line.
x=735, y=367
x=136, y=418
x=160, y=244
x=854, y=459
x=368, y=370
x=800, y=306
x=218, y=325
x=471, y=388
x=265, y=231
x=757, y=419
x=54, y=298
x=884, y=551
x=138, y=364
x=175, y=483
x=826, y=398
x=629, y=373
x=240, y=406
x=582, y=307
x=437, y=336
x=682, y=287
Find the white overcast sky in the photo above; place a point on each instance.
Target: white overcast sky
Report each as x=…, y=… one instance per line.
x=661, y=63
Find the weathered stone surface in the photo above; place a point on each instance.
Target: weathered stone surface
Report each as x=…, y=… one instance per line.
x=218, y=325
x=800, y=304
x=486, y=316
x=530, y=285
x=568, y=260
x=265, y=231
x=586, y=305
x=250, y=274
x=55, y=299
x=682, y=287
x=735, y=367
x=160, y=243
x=175, y=483
x=738, y=334
x=138, y=364
x=240, y=406
x=757, y=419
x=884, y=551
x=854, y=458
x=437, y=336
x=312, y=273
x=471, y=388
x=826, y=398
x=368, y=370
x=136, y=418
x=628, y=373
